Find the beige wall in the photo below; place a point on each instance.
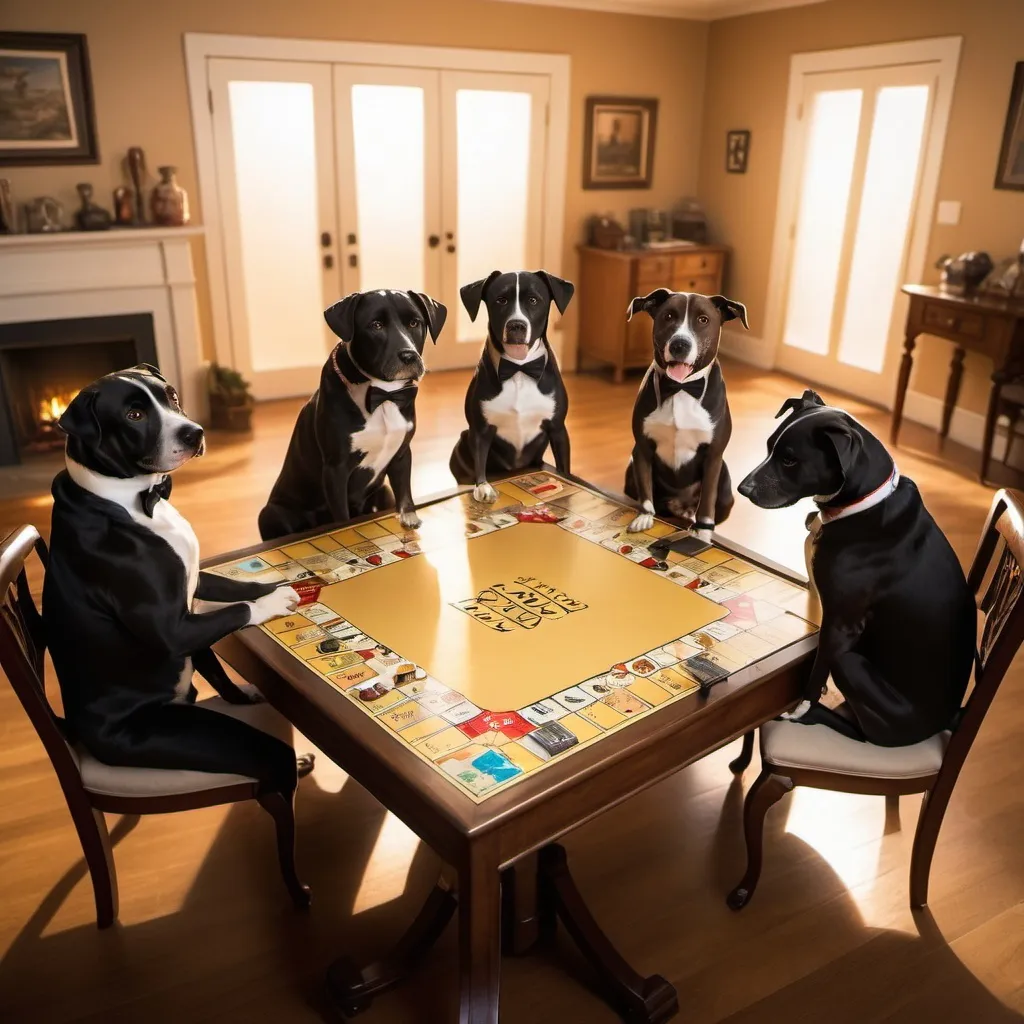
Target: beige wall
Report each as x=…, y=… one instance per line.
x=141, y=97
x=747, y=81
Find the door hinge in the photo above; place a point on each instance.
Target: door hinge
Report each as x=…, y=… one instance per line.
x=209, y=99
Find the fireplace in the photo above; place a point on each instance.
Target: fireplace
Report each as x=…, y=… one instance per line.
x=44, y=364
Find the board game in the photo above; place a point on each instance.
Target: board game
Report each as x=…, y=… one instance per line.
x=496, y=639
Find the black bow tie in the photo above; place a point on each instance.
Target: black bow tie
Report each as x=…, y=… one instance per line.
x=534, y=368
x=694, y=388
x=403, y=397
x=154, y=494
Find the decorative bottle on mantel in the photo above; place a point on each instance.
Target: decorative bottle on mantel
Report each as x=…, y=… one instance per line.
x=169, y=202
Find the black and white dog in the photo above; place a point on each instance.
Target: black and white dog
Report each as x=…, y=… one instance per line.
x=681, y=421
x=356, y=428
x=516, y=402
x=124, y=601
x=898, y=620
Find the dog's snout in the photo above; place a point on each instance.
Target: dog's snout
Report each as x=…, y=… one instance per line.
x=191, y=435
x=408, y=357
x=746, y=486
x=516, y=330
x=678, y=348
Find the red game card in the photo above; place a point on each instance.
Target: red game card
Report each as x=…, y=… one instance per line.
x=308, y=592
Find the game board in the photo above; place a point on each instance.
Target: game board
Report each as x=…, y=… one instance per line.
x=498, y=638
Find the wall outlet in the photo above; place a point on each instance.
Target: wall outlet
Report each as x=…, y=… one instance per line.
x=948, y=212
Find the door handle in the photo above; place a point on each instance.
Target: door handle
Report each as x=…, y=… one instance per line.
x=328, y=261
x=325, y=239
x=451, y=248
x=434, y=241
x=448, y=235
x=351, y=240
x=353, y=260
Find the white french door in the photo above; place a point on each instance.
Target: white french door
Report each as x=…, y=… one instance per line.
x=865, y=133
x=335, y=178
x=274, y=140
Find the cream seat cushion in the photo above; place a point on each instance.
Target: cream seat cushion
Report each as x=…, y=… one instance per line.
x=113, y=780
x=792, y=745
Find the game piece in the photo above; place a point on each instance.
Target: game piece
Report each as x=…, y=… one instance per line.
x=538, y=514
x=329, y=646
x=307, y=590
x=683, y=543
x=554, y=738
x=369, y=693
x=654, y=563
x=405, y=672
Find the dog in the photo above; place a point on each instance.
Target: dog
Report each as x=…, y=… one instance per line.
x=516, y=402
x=898, y=624
x=681, y=421
x=124, y=603
x=356, y=428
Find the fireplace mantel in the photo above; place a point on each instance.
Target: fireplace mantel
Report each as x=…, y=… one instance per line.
x=71, y=274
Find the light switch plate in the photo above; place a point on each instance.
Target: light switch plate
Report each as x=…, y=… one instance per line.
x=948, y=212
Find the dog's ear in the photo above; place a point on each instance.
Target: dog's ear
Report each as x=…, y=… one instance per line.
x=846, y=441
x=731, y=309
x=472, y=294
x=151, y=370
x=434, y=312
x=649, y=303
x=561, y=291
x=341, y=316
x=79, y=419
x=808, y=399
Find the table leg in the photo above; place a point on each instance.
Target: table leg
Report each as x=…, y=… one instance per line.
x=637, y=999
x=998, y=380
x=901, y=387
x=520, y=914
x=479, y=935
x=350, y=989
x=956, y=373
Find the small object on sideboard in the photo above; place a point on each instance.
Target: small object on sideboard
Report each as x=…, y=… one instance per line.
x=606, y=233
x=124, y=207
x=43, y=215
x=689, y=222
x=90, y=217
x=169, y=201
x=963, y=274
x=136, y=162
x=10, y=220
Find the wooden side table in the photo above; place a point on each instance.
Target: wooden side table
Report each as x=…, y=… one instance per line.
x=994, y=327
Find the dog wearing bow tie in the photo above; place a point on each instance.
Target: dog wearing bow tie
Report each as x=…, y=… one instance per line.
x=516, y=402
x=128, y=615
x=681, y=421
x=352, y=437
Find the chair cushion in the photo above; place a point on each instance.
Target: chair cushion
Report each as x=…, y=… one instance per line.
x=792, y=745
x=115, y=780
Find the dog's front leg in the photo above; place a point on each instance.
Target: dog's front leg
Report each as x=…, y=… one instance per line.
x=334, y=480
x=835, y=638
x=559, y=438
x=643, y=478
x=705, y=524
x=400, y=478
x=481, y=444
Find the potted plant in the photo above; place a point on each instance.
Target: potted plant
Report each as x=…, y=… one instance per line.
x=231, y=401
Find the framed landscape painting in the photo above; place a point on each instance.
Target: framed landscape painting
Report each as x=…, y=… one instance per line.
x=618, y=147
x=1010, y=173
x=46, y=106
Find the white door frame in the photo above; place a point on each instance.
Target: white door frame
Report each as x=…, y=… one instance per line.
x=199, y=47
x=945, y=52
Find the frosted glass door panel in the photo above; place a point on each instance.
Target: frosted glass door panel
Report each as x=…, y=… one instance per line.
x=493, y=178
x=886, y=206
x=388, y=138
x=276, y=178
x=821, y=218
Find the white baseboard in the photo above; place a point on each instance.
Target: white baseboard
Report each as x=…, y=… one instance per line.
x=745, y=348
x=966, y=428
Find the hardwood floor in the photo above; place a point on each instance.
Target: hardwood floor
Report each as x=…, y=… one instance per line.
x=207, y=932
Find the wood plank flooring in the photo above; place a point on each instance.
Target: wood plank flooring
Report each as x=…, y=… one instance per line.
x=207, y=932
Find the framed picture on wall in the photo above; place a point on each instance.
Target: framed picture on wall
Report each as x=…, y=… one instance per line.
x=46, y=106
x=618, y=143
x=737, y=150
x=1010, y=173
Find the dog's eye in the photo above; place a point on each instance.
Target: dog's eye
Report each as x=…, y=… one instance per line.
x=670, y=314
x=702, y=319
x=376, y=325
x=501, y=300
x=413, y=324
x=134, y=415
x=788, y=463
x=533, y=300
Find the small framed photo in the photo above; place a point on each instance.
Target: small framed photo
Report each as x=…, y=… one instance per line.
x=46, y=105
x=1010, y=172
x=618, y=145
x=737, y=149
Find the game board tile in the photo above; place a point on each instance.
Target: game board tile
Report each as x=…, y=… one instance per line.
x=478, y=528
x=319, y=613
x=576, y=524
x=325, y=543
x=649, y=691
x=662, y=657
x=728, y=652
x=624, y=701
x=720, y=574
x=602, y=715
x=683, y=648
x=720, y=630
x=781, y=631
x=301, y=549
x=275, y=556
x=349, y=677
x=372, y=530
x=659, y=529
x=715, y=593
x=441, y=743
x=598, y=687
x=418, y=687
x=582, y=729
x=678, y=682
x=401, y=716
x=309, y=651
x=713, y=556
x=620, y=518
x=707, y=667
x=328, y=664
x=421, y=730
x=302, y=635
x=573, y=698
x=440, y=701
x=461, y=712
x=286, y=623
x=702, y=639
x=749, y=581
x=250, y=570
x=459, y=766
x=393, y=526
x=740, y=566
x=294, y=571
x=680, y=577
x=543, y=711
x=376, y=706
x=642, y=666
x=520, y=756
x=347, y=537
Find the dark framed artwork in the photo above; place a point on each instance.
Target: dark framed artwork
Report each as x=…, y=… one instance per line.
x=737, y=150
x=1010, y=172
x=618, y=142
x=46, y=105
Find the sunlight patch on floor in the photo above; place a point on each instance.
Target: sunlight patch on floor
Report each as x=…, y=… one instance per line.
x=387, y=870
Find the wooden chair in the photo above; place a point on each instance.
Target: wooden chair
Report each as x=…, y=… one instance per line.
x=91, y=787
x=814, y=755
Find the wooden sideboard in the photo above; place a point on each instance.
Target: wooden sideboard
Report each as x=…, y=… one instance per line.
x=609, y=279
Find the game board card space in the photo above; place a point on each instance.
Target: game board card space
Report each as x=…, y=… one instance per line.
x=410, y=608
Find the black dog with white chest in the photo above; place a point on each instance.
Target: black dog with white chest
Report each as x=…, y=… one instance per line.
x=516, y=402
x=681, y=421
x=898, y=622
x=356, y=428
x=123, y=598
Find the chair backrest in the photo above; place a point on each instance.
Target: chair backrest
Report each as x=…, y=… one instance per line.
x=997, y=581
x=22, y=650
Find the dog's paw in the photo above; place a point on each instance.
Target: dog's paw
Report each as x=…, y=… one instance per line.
x=642, y=522
x=485, y=493
x=283, y=601
x=798, y=712
x=252, y=695
x=409, y=520
x=703, y=533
